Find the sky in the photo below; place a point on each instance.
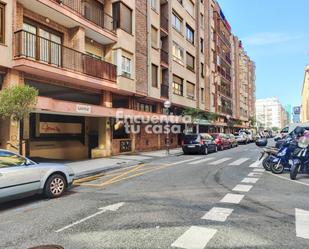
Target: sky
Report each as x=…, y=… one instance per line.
x=275, y=34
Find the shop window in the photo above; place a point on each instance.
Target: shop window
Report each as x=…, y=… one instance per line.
x=119, y=130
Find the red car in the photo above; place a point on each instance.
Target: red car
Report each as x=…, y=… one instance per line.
x=222, y=141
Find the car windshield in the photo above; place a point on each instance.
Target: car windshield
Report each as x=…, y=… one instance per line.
x=8, y=159
x=215, y=135
x=189, y=138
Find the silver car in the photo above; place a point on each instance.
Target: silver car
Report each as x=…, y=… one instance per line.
x=20, y=177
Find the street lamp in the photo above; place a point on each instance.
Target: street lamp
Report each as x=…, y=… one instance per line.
x=167, y=106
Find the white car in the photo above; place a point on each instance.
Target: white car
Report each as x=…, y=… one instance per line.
x=21, y=177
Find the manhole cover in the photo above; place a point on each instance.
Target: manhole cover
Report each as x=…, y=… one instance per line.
x=47, y=247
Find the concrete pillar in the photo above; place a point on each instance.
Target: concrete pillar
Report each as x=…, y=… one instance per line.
x=77, y=38
x=105, y=147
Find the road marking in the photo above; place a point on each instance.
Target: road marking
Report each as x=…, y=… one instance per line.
x=232, y=198
x=111, y=208
x=218, y=214
x=239, y=161
x=250, y=180
x=195, y=238
x=185, y=161
x=255, y=174
x=259, y=170
x=302, y=223
x=202, y=160
x=256, y=164
x=242, y=188
x=220, y=161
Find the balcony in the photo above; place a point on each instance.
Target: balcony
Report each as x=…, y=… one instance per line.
x=92, y=10
x=164, y=58
x=225, y=110
x=225, y=91
x=224, y=74
x=40, y=56
x=164, y=23
x=164, y=91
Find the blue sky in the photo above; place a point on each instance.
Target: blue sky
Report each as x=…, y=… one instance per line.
x=275, y=33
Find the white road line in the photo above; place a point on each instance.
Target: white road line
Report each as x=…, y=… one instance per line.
x=239, y=161
x=232, y=198
x=202, y=160
x=218, y=214
x=256, y=164
x=222, y=160
x=250, y=180
x=302, y=223
x=242, y=188
x=195, y=238
x=185, y=161
x=112, y=208
x=255, y=174
x=259, y=170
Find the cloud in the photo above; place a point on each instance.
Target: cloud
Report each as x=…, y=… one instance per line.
x=268, y=38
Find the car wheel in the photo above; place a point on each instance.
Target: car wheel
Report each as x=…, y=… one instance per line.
x=55, y=186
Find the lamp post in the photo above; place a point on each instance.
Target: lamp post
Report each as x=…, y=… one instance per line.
x=167, y=106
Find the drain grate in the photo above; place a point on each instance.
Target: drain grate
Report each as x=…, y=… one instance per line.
x=47, y=247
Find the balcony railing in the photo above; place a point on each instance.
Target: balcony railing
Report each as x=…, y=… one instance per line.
x=164, y=91
x=224, y=74
x=225, y=110
x=226, y=92
x=92, y=10
x=164, y=56
x=52, y=53
x=164, y=23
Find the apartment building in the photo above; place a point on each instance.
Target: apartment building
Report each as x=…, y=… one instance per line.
x=90, y=59
x=270, y=113
x=304, y=114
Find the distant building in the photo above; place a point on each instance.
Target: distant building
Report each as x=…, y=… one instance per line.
x=296, y=114
x=270, y=113
x=305, y=98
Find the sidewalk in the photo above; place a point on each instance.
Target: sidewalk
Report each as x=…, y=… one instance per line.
x=93, y=166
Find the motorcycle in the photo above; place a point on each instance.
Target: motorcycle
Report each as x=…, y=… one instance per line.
x=269, y=152
x=300, y=160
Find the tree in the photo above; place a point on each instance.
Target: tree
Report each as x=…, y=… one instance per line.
x=17, y=102
x=252, y=121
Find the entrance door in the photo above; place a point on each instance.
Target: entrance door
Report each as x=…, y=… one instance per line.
x=93, y=142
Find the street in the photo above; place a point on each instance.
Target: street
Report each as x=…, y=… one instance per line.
x=222, y=200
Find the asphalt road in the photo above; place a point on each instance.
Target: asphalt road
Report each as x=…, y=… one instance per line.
x=221, y=200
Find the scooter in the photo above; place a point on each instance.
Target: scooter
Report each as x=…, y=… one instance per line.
x=300, y=164
x=267, y=154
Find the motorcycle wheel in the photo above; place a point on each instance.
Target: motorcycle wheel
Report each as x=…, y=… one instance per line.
x=294, y=171
x=277, y=168
x=266, y=164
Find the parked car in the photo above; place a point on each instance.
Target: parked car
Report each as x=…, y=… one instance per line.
x=241, y=138
x=233, y=140
x=21, y=177
x=249, y=134
x=198, y=143
x=222, y=141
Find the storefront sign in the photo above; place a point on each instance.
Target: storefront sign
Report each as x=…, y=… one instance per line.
x=86, y=109
x=60, y=128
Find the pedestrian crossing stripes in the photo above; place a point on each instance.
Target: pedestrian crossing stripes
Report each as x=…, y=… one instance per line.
x=242, y=188
x=222, y=160
x=239, y=161
x=218, y=214
x=195, y=238
x=250, y=180
x=202, y=160
x=232, y=198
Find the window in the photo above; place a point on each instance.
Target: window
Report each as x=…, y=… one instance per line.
x=154, y=75
x=190, y=62
x=177, y=85
x=190, y=90
x=154, y=4
x=9, y=159
x=122, y=17
x=154, y=37
x=145, y=107
x=2, y=23
x=202, y=21
x=202, y=95
x=177, y=53
x=177, y=22
x=202, y=45
x=189, y=34
x=126, y=67
x=190, y=7
x=202, y=70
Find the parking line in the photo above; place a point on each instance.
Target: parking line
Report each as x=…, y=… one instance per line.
x=195, y=238
x=220, y=161
x=239, y=161
x=232, y=198
x=202, y=160
x=218, y=214
x=242, y=188
x=250, y=180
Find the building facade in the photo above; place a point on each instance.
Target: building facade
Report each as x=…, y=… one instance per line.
x=270, y=113
x=91, y=59
x=304, y=116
